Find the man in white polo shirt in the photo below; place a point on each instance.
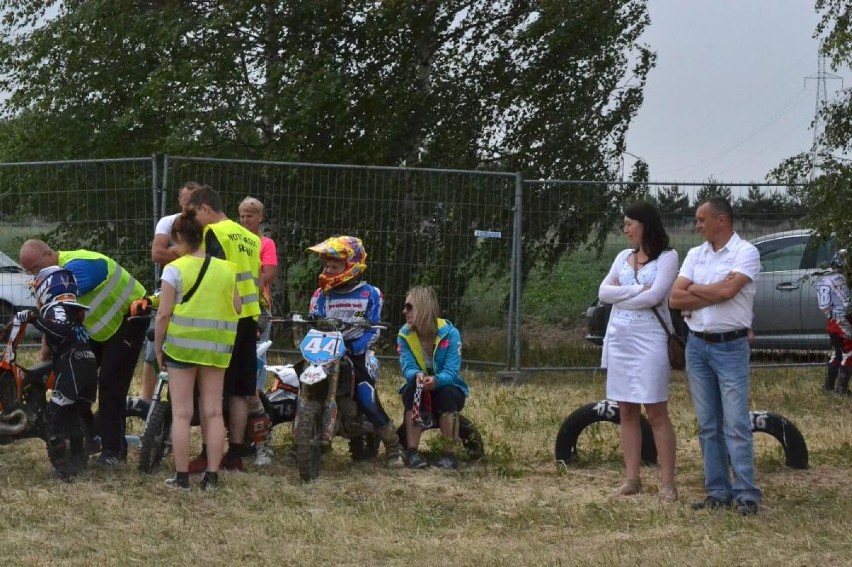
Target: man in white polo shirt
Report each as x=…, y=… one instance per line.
x=715, y=290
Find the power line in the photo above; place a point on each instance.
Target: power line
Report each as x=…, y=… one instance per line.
x=821, y=78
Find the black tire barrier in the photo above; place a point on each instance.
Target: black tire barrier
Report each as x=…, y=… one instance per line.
x=595, y=412
x=786, y=432
x=471, y=440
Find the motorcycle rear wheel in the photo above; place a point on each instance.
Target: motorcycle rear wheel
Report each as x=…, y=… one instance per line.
x=307, y=438
x=155, y=438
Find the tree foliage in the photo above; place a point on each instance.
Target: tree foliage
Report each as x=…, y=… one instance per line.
x=827, y=198
x=543, y=87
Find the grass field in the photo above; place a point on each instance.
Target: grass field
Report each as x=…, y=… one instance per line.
x=516, y=507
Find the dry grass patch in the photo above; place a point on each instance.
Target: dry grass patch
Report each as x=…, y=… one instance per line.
x=516, y=507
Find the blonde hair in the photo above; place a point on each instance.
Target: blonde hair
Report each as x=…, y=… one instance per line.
x=253, y=205
x=424, y=300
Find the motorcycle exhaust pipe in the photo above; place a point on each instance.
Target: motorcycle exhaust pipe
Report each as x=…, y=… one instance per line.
x=13, y=423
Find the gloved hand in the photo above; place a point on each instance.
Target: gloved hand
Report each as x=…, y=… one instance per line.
x=26, y=316
x=141, y=307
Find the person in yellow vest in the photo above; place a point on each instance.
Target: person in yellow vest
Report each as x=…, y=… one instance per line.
x=227, y=240
x=193, y=338
x=108, y=290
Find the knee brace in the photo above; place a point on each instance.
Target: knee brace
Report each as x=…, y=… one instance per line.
x=369, y=402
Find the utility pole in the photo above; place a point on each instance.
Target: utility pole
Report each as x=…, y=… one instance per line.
x=821, y=78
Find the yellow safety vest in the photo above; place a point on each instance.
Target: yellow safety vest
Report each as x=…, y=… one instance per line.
x=241, y=247
x=110, y=300
x=203, y=330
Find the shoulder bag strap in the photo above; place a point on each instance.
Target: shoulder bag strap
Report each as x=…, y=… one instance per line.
x=654, y=309
x=188, y=295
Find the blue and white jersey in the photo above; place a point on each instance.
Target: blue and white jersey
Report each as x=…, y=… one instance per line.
x=363, y=301
x=833, y=295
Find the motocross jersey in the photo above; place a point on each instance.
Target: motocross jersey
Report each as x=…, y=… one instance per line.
x=833, y=295
x=63, y=329
x=363, y=301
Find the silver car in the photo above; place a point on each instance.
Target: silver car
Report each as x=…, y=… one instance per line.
x=16, y=292
x=786, y=316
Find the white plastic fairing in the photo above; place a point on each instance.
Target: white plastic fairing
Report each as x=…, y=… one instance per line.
x=285, y=374
x=313, y=374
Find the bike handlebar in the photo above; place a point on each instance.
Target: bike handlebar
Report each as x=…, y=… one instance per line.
x=299, y=319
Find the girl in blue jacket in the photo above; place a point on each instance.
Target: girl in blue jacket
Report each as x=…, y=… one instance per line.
x=430, y=355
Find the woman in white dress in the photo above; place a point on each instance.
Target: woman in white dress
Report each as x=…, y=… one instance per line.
x=635, y=346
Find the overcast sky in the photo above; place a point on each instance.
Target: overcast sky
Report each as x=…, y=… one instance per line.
x=728, y=97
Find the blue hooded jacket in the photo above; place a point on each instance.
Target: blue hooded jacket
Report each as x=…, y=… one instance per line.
x=446, y=356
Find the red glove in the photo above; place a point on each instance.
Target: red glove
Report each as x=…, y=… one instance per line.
x=140, y=307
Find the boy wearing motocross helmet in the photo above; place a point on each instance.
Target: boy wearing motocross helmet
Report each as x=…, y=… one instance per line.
x=69, y=413
x=343, y=295
x=833, y=298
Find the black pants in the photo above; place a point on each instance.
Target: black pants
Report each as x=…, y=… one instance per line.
x=117, y=357
x=448, y=399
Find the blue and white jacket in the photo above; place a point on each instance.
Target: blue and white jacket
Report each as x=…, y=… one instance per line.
x=446, y=356
x=362, y=301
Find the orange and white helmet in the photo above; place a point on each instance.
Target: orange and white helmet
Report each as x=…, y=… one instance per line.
x=346, y=248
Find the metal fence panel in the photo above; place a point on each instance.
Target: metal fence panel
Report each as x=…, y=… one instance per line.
x=102, y=205
x=449, y=229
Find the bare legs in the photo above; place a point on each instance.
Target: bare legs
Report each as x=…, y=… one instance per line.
x=630, y=434
x=181, y=385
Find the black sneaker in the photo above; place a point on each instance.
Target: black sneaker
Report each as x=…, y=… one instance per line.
x=447, y=462
x=416, y=461
x=178, y=482
x=210, y=481
x=711, y=503
x=747, y=507
x=108, y=459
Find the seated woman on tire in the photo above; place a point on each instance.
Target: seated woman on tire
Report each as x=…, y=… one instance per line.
x=193, y=337
x=430, y=356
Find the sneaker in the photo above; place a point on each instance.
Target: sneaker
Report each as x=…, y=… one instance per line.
x=447, y=462
x=747, y=507
x=108, y=459
x=198, y=465
x=232, y=462
x=711, y=503
x=210, y=481
x=395, y=462
x=416, y=461
x=263, y=456
x=93, y=445
x=177, y=483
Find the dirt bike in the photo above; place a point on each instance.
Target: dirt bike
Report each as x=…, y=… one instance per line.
x=326, y=404
x=156, y=439
x=23, y=391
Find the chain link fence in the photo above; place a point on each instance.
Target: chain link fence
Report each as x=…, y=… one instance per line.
x=516, y=263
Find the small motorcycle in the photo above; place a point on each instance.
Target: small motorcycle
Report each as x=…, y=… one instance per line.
x=156, y=438
x=326, y=404
x=23, y=391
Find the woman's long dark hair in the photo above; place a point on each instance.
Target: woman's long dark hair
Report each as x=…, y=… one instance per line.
x=654, y=237
x=187, y=228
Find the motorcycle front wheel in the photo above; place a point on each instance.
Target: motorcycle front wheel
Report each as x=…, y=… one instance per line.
x=307, y=438
x=156, y=437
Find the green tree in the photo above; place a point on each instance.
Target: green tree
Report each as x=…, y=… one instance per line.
x=712, y=188
x=826, y=198
x=543, y=87
x=672, y=201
